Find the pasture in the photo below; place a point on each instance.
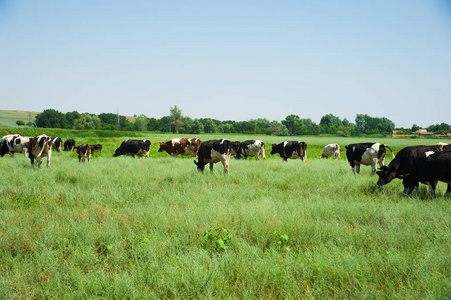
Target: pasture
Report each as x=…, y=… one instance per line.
x=157, y=228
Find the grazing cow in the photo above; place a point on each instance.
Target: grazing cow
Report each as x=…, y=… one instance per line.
x=291, y=150
x=432, y=167
x=181, y=146
x=56, y=144
x=368, y=154
x=403, y=164
x=14, y=144
x=331, y=150
x=84, y=151
x=235, y=147
x=39, y=147
x=96, y=147
x=251, y=148
x=69, y=145
x=212, y=152
x=140, y=148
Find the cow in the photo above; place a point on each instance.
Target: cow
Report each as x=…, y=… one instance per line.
x=40, y=146
x=140, y=148
x=181, y=146
x=430, y=168
x=14, y=144
x=251, y=148
x=96, y=147
x=84, y=151
x=331, y=150
x=368, y=154
x=69, y=145
x=235, y=147
x=214, y=151
x=403, y=164
x=56, y=144
x=291, y=150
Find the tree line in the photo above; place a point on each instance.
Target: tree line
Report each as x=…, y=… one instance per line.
x=175, y=122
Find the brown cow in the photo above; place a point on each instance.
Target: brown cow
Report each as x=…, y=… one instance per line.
x=96, y=147
x=83, y=152
x=181, y=146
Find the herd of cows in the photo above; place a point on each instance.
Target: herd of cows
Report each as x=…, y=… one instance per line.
x=414, y=164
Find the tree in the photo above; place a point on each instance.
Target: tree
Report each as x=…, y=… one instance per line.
x=176, y=118
x=87, y=121
x=51, y=118
x=71, y=117
x=197, y=127
x=20, y=123
x=330, y=120
x=343, y=130
x=141, y=122
x=108, y=118
x=415, y=128
x=210, y=126
x=292, y=123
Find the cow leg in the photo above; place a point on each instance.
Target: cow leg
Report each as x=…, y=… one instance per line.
x=374, y=167
x=448, y=190
x=211, y=167
x=357, y=169
x=89, y=157
x=225, y=163
x=432, y=186
x=48, y=161
x=32, y=160
x=38, y=161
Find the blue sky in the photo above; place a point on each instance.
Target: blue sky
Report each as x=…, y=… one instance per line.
x=229, y=60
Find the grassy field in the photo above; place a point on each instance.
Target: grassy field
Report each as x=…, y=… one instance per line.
x=156, y=228
x=10, y=117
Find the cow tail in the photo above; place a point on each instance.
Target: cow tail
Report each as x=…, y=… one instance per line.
x=393, y=155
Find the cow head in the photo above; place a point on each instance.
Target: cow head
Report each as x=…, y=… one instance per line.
x=3, y=149
x=302, y=151
x=386, y=175
x=163, y=147
x=117, y=152
x=273, y=150
x=200, y=166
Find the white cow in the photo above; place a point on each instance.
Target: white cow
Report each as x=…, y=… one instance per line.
x=331, y=150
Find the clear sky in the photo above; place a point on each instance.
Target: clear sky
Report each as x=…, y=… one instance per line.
x=229, y=60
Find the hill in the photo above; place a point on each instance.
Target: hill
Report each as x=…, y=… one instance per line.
x=9, y=117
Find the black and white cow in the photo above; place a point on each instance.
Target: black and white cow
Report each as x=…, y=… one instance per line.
x=39, y=147
x=14, y=143
x=251, y=148
x=432, y=167
x=331, y=150
x=56, y=144
x=140, y=148
x=368, y=154
x=403, y=164
x=291, y=150
x=69, y=145
x=214, y=151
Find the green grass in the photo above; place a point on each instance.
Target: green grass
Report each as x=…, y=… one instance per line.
x=134, y=228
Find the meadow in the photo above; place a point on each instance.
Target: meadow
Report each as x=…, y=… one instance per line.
x=157, y=228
